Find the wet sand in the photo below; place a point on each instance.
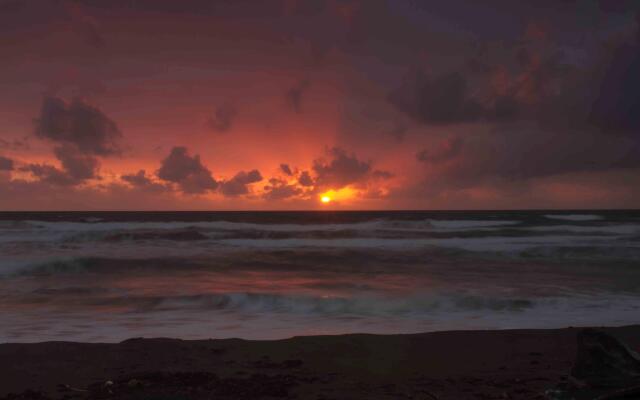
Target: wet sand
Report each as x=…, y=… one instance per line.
x=515, y=364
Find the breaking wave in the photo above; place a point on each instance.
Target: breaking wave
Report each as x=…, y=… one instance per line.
x=301, y=304
x=575, y=217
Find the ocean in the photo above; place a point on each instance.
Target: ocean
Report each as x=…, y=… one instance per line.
x=110, y=276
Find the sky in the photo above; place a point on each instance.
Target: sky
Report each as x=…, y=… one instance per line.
x=273, y=105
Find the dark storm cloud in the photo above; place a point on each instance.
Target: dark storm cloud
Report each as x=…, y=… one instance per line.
x=549, y=111
x=186, y=171
x=528, y=153
x=16, y=144
x=141, y=180
x=340, y=170
x=286, y=169
x=527, y=77
x=6, y=164
x=444, y=99
x=82, y=133
x=305, y=179
x=79, y=124
x=279, y=189
x=457, y=97
x=295, y=95
x=617, y=106
x=77, y=165
x=223, y=117
x=238, y=185
x=444, y=151
x=51, y=175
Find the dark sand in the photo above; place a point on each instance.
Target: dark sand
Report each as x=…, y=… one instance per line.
x=518, y=364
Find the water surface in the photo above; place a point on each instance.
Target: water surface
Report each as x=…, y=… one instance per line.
x=266, y=275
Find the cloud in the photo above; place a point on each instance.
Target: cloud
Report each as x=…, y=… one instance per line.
x=305, y=179
x=142, y=181
x=286, y=169
x=528, y=153
x=443, y=151
x=238, y=185
x=79, y=124
x=617, y=105
x=6, y=164
x=77, y=165
x=340, y=170
x=16, y=144
x=222, y=119
x=537, y=111
x=452, y=98
x=295, y=95
x=20, y=194
x=138, y=179
x=444, y=99
x=279, y=189
x=187, y=172
x=51, y=175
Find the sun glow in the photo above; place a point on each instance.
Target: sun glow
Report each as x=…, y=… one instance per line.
x=338, y=197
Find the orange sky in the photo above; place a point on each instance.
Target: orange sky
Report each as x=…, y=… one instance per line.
x=386, y=105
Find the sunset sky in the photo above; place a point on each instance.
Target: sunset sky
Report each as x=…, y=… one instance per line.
x=375, y=104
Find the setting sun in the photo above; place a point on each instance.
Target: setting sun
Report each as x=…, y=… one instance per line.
x=325, y=199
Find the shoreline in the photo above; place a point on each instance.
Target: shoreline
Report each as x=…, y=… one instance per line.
x=489, y=364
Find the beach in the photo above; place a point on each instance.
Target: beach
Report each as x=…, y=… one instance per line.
x=503, y=364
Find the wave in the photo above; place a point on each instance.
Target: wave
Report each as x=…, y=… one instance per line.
x=392, y=255
x=107, y=265
x=380, y=224
x=365, y=305
x=261, y=316
x=619, y=229
x=10, y=268
x=585, y=253
x=496, y=245
x=470, y=224
x=82, y=232
x=371, y=305
x=499, y=235
x=575, y=217
x=257, y=302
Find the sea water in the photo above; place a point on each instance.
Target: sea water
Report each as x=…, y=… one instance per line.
x=105, y=277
